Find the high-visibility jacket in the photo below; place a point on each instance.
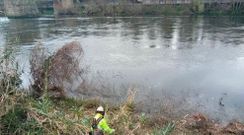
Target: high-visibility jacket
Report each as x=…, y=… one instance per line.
x=102, y=124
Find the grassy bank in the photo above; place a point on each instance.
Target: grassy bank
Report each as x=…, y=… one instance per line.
x=23, y=114
x=42, y=112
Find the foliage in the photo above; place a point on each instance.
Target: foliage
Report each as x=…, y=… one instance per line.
x=235, y=8
x=134, y=10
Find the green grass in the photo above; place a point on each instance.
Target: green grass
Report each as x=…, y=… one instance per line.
x=16, y=121
x=165, y=130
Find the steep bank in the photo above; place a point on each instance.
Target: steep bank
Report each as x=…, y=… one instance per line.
x=22, y=114
x=21, y=8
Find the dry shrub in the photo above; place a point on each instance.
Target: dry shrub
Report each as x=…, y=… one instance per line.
x=125, y=116
x=38, y=57
x=200, y=124
x=9, y=72
x=58, y=73
x=9, y=81
x=234, y=128
x=198, y=121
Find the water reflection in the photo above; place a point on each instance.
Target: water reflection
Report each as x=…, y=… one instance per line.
x=24, y=31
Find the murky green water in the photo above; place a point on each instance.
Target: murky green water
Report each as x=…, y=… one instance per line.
x=193, y=61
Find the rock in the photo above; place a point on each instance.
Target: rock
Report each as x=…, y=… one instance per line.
x=21, y=8
x=66, y=7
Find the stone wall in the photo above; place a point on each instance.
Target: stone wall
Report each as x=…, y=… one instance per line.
x=66, y=7
x=21, y=8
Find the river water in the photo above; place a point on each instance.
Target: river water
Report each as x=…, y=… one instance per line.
x=184, y=63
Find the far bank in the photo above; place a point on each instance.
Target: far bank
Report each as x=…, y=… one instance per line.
x=24, y=8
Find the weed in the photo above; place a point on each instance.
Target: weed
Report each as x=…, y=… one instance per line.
x=43, y=106
x=143, y=118
x=166, y=130
x=13, y=120
x=16, y=122
x=9, y=73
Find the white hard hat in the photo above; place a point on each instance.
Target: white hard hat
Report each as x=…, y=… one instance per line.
x=100, y=109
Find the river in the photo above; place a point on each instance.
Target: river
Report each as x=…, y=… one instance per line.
x=186, y=63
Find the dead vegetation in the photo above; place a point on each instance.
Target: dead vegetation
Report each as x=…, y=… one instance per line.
x=57, y=73
x=201, y=124
x=9, y=72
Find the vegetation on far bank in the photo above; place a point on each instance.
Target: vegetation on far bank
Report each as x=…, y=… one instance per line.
x=100, y=8
x=162, y=10
x=133, y=8
x=40, y=111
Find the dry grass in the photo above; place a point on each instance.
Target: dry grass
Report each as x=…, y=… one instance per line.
x=69, y=116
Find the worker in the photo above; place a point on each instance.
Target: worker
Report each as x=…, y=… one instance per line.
x=99, y=123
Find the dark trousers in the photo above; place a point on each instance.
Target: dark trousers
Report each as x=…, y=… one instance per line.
x=96, y=132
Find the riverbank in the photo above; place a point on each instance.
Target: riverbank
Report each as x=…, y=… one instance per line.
x=23, y=114
x=162, y=10
x=135, y=9
x=46, y=109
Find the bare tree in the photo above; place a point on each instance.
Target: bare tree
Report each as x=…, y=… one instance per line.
x=55, y=75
